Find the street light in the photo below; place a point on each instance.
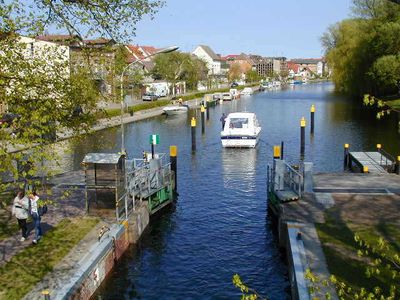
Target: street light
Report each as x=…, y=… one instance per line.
x=162, y=50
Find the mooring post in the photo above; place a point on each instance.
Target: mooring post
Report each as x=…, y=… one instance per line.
x=208, y=110
x=193, y=125
x=302, y=135
x=203, y=110
x=277, y=152
x=282, y=149
x=398, y=165
x=46, y=295
x=312, y=111
x=378, y=148
x=173, y=151
x=346, y=160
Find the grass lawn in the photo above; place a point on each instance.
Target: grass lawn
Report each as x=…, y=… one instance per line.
x=340, y=249
x=29, y=266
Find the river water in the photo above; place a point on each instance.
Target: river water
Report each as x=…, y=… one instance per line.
x=220, y=225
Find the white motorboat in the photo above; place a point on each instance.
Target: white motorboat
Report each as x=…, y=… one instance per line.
x=247, y=91
x=176, y=110
x=241, y=129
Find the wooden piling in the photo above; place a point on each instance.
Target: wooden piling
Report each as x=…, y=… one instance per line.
x=203, y=110
x=193, y=125
x=346, y=158
x=302, y=135
x=282, y=146
x=208, y=110
x=173, y=151
x=312, y=112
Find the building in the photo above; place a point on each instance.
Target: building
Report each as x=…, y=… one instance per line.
x=262, y=65
x=212, y=60
x=315, y=65
x=242, y=60
x=97, y=54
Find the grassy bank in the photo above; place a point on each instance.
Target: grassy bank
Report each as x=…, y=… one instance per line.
x=109, y=113
x=29, y=266
x=340, y=249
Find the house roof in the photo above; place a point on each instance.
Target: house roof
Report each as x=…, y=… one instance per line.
x=99, y=41
x=209, y=52
x=102, y=158
x=149, y=49
x=59, y=38
x=293, y=66
x=306, y=61
x=136, y=53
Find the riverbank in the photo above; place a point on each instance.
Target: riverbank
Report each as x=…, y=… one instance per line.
x=74, y=270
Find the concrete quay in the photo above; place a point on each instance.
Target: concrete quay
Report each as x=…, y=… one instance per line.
x=362, y=198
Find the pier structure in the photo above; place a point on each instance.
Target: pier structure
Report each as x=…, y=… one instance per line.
x=299, y=198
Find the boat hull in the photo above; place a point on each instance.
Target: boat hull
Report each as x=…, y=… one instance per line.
x=175, y=111
x=239, y=141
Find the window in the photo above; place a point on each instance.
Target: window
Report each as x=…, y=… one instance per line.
x=239, y=123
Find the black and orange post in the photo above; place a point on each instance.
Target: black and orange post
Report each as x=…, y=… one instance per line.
x=173, y=158
x=203, y=127
x=193, y=125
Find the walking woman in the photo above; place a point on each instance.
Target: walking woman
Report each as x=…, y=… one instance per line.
x=34, y=198
x=20, y=211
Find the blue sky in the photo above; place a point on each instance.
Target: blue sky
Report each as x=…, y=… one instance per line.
x=290, y=28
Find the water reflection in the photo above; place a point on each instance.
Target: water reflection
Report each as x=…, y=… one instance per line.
x=239, y=168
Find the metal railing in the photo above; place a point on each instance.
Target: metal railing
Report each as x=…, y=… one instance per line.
x=142, y=180
x=387, y=161
x=291, y=180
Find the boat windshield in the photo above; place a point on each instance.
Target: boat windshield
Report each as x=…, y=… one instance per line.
x=239, y=123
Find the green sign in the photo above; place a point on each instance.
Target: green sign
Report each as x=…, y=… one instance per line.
x=154, y=139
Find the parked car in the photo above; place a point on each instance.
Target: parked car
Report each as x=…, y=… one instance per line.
x=7, y=119
x=149, y=97
x=227, y=97
x=234, y=84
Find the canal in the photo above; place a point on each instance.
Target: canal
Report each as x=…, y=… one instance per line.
x=220, y=225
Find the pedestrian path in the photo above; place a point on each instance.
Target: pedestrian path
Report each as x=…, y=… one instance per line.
x=72, y=206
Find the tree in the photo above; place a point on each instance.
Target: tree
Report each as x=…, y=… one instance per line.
x=235, y=72
x=113, y=18
x=354, y=47
x=177, y=66
x=380, y=259
x=39, y=85
x=252, y=76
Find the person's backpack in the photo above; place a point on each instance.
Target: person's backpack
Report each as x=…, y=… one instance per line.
x=42, y=210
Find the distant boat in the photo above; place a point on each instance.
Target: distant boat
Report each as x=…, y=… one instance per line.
x=247, y=91
x=175, y=110
x=241, y=130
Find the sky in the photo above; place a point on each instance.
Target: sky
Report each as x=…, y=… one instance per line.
x=290, y=28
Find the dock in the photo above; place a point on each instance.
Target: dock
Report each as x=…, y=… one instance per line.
x=374, y=162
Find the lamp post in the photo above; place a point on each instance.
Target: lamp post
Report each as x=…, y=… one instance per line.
x=163, y=50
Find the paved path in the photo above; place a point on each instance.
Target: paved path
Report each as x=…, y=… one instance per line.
x=72, y=206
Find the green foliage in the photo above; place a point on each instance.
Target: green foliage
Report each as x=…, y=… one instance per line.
x=178, y=66
x=39, y=84
x=252, y=76
x=247, y=293
x=113, y=18
x=363, y=51
x=29, y=266
x=234, y=72
x=352, y=252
